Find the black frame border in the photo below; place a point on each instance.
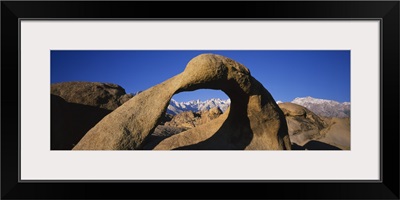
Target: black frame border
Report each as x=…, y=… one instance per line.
x=386, y=11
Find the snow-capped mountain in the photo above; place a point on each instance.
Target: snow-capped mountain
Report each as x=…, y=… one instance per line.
x=323, y=107
x=176, y=107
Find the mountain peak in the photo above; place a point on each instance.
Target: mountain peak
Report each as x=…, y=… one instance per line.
x=176, y=107
x=324, y=107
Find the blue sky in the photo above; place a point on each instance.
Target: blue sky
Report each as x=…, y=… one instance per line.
x=285, y=74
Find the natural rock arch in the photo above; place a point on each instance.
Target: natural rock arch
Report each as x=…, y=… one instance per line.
x=254, y=120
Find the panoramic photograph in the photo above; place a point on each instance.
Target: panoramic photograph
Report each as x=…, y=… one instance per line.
x=200, y=100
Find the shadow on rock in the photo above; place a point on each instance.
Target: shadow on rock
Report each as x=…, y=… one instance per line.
x=314, y=145
x=70, y=122
x=227, y=137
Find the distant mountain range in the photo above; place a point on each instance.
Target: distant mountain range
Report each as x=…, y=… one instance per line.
x=322, y=107
x=175, y=107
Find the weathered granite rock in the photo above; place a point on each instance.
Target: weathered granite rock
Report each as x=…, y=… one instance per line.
x=70, y=122
x=77, y=106
x=308, y=130
x=102, y=95
x=160, y=133
x=190, y=119
x=337, y=133
x=254, y=120
x=303, y=124
x=186, y=119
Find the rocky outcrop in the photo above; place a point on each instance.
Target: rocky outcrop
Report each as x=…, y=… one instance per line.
x=337, y=132
x=102, y=95
x=160, y=133
x=303, y=124
x=254, y=120
x=77, y=106
x=172, y=125
x=309, y=131
x=191, y=119
x=186, y=119
x=70, y=122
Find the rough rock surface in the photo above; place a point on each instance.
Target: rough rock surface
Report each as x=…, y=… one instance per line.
x=254, y=120
x=103, y=95
x=337, y=133
x=312, y=132
x=303, y=124
x=191, y=119
x=70, y=122
x=186, y=119
x=160, y=133
x=77, y=106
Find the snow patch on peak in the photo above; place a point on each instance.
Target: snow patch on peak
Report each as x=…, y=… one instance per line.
x=197, y=105
x=324, y=107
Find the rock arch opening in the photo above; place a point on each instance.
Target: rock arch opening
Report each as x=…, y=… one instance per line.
x=198, y=100
x=188, y=110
